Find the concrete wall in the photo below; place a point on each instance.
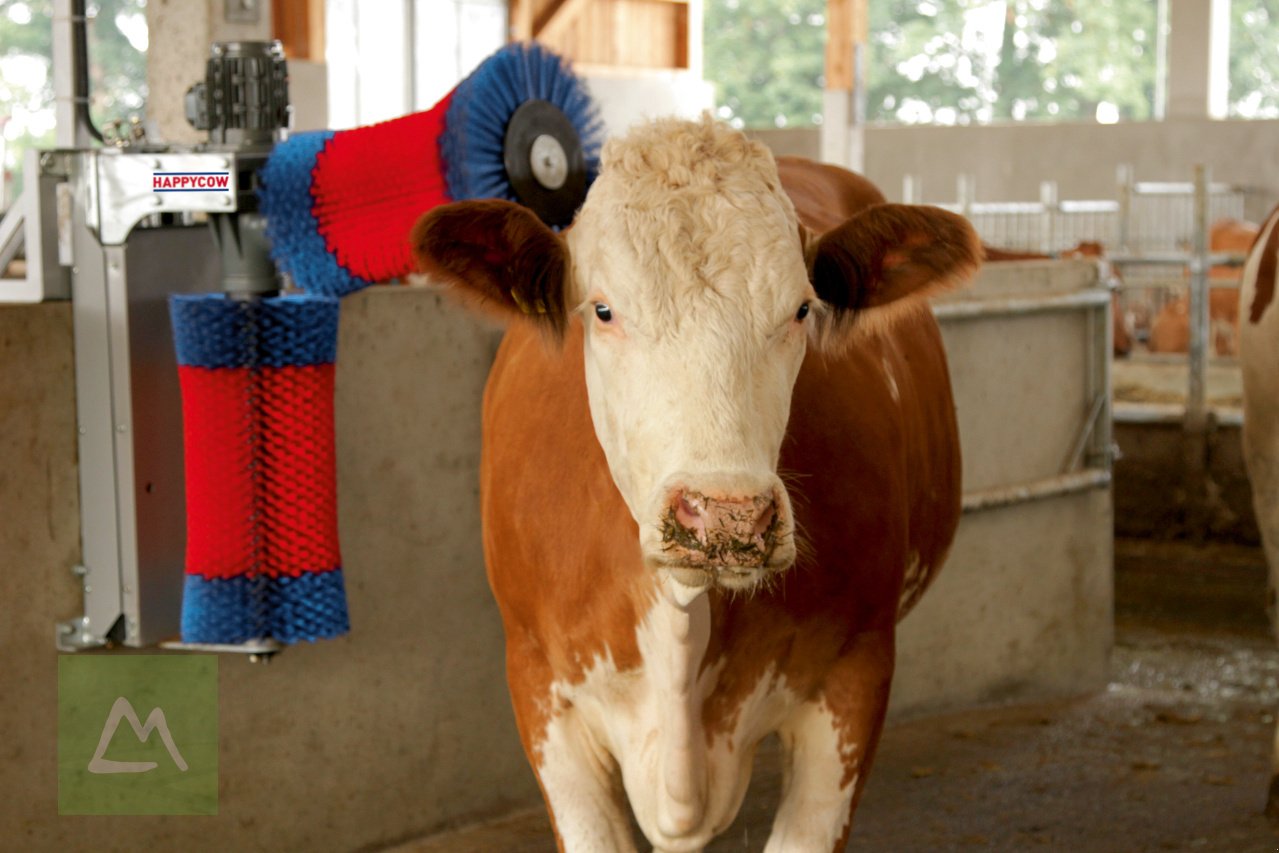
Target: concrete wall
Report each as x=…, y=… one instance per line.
x=1009, y=160
x=394, y=731
x=1023, y=608
x=1170, y=484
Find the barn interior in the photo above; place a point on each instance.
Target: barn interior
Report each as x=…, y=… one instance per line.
x=1093, y=670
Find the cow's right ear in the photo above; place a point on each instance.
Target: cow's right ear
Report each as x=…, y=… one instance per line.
x=499, y=254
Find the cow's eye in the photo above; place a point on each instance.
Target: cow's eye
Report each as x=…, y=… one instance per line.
x=803, y=312
x=603, y=312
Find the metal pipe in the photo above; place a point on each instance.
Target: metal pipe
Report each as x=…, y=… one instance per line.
x=1050, y=487
x=1196, y=400
x=1123, y=178
x=1048, y=216
x=910, y=190
x=1019, y=305
x=965, y=189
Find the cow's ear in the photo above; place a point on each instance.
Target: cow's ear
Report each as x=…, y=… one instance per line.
x=500, y=255
x=891, y=254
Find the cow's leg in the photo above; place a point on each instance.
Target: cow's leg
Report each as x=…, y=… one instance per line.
x=829, y=743
x=578, y=777
x=582, y=788
x=1272, y=798
x=1261, y=451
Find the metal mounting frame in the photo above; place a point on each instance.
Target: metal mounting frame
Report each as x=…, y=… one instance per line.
x=132, y=507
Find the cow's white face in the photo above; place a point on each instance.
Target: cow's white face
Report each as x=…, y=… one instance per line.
x=690, y=280
x=686, y=269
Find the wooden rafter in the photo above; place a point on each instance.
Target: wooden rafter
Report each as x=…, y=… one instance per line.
x=847, y=25
x=557, y=15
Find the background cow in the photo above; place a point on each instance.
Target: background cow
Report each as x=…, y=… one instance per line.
x=1170, y=329
x=720, y=460
x=1259, y=361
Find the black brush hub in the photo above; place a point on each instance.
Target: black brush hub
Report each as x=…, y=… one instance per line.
x=542, y=154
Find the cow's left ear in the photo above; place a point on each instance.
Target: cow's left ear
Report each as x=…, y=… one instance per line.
x=890, y=253
x=499, y=255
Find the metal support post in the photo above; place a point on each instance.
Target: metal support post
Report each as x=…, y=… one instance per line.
x=1196, y=394
x=1048, y=217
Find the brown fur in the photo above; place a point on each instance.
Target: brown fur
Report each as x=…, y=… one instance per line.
x=500, y=256
x=1265, y=273
x=825, y=195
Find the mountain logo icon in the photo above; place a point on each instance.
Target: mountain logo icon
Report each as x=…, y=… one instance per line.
x=123, y=710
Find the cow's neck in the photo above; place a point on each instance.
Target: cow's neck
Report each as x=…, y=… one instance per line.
x=673, y=641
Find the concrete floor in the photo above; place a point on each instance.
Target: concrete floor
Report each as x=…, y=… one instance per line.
x=1172, y=756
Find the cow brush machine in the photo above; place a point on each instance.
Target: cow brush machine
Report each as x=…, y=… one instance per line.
x=332, y=210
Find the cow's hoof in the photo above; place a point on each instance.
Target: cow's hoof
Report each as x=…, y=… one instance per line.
x=1272, y=801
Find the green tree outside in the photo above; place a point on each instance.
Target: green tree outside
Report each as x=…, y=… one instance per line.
x=117, y=42
x=973, y=61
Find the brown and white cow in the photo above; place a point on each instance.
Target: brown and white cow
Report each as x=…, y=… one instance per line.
x=1170, y=329
x=720, y=459
x=1259, y=361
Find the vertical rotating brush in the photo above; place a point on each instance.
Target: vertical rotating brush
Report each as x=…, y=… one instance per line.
x=257, y=407
x=340, y=205
x=256, y=372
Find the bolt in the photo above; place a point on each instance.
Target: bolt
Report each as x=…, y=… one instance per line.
x=66, y=628
x=79, y=571
x=226, y=201
x=128, y=590
x=121, y=428
x=83, y=431
x=88, y=589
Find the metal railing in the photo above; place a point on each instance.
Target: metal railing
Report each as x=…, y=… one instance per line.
x=1156, y=237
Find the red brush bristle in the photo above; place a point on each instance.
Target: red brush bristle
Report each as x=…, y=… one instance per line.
x=298, y=498
x=371, y=184
x=218, y=422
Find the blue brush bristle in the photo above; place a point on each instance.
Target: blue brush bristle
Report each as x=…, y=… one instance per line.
x=475, y=132
x=309, y=607
x=296, y=244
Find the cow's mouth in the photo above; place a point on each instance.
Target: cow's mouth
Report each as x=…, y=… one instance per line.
x=731, y=579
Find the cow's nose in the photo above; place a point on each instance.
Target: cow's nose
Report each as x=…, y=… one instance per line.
x=713, y=520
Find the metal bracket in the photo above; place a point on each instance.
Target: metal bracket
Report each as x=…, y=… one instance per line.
x=118, y=189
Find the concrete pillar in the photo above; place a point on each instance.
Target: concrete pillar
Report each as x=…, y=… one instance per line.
x=179, y=38
x=1198, y=58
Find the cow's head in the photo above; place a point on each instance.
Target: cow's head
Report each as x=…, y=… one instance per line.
x=699, y=293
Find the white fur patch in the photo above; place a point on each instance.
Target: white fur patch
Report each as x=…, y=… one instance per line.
x=816, y=804
x=689, y=239
x=647, y=724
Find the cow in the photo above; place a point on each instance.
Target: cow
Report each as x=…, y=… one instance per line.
x=1170, y=329
x=1259, y=363
x=720, y=461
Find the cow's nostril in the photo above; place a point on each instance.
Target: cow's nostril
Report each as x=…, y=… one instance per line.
x=689, y=515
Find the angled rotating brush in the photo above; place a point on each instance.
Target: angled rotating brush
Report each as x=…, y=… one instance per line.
x=340, y=205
